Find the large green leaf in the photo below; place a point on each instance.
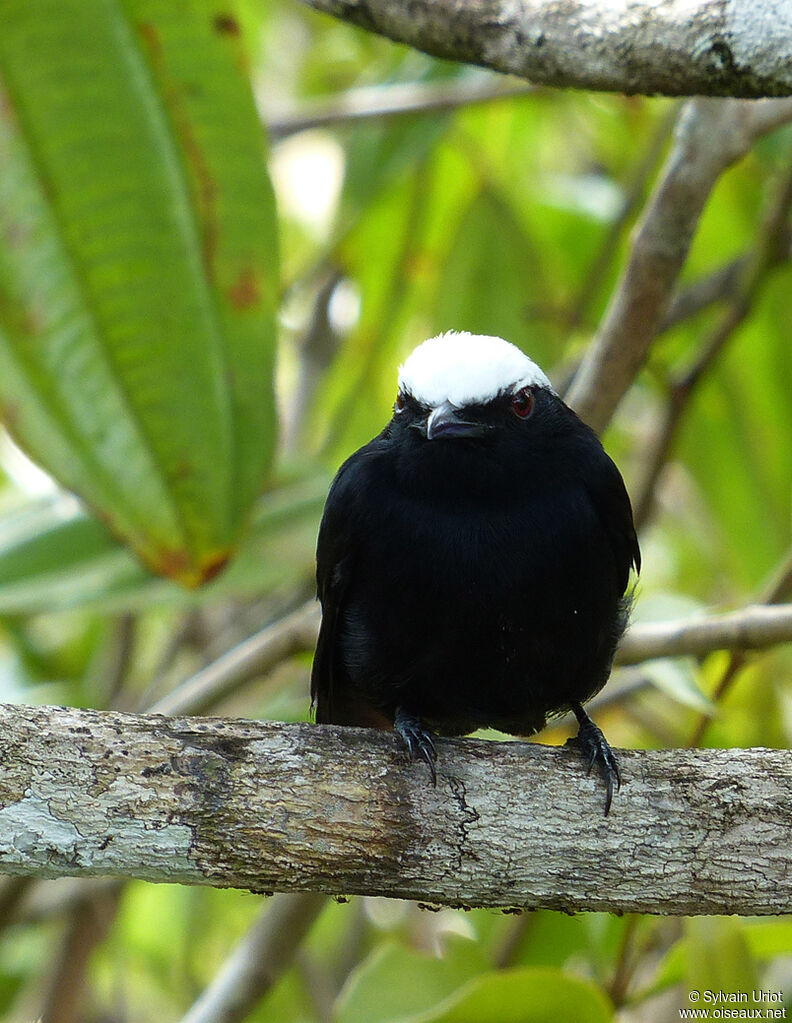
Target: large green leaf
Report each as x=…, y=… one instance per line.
x=394, y=983
x=137, y=268
x=524, y=995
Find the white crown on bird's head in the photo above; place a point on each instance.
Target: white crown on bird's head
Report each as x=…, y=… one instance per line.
x=466, y=369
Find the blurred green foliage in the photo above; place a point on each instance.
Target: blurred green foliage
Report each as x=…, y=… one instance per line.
x=487, y=218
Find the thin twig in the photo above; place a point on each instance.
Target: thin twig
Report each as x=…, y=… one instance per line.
x=772, y=245
x=633, y=193
x=386, y=101
x=316, y=348
x=13, y=891
x=707, y=291
x=625, y=964
x=121, y=653
x=778, y=587
x=508, y=948
x=46, y=900
x=318, y=984
x=183, y=635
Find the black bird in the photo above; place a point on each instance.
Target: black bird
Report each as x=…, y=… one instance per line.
x=473, y=559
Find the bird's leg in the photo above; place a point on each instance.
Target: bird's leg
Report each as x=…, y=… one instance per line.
x=595, y=746
x=416, y=738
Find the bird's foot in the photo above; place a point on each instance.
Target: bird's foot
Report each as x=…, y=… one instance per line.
x=595, y=748
x=416, y=738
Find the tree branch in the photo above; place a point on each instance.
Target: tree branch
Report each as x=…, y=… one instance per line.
x=711, y=135
x=258, y=961
x=770, y=249
x=293, y=634
x=65, y=998
x=751, y=628
x=326, y=809
x=671, y=47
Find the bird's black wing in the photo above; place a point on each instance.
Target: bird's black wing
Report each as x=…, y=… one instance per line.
x=336, y=552
x=334, y=564
x=610, y=499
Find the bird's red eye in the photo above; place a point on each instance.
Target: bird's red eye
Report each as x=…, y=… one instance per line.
x=523, y=402
x=399, y=403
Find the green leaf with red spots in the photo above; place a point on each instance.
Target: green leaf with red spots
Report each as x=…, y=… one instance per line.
x=138, y=267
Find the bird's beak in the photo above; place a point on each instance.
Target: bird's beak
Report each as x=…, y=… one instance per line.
x=444, y=421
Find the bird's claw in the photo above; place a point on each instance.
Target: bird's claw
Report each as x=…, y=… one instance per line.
x=417, y=739
x=594, y=745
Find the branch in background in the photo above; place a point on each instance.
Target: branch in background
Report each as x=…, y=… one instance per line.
x=374, y=342
x=12, y=893
x=64, y=1001
x=718, y=286
x=633, y=194
x=752, y=628
x=317, y=348
x=47, y=899
x=771, y=248
x=258, y=961
x=777, y=589
x=296, y=633
x=707, y=291
x=711, y=135
x=260, y=653
x=677, y=49
x=380, y=101
x=114, y=665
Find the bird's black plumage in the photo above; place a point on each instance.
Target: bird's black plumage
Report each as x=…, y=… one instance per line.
x=473, y=573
